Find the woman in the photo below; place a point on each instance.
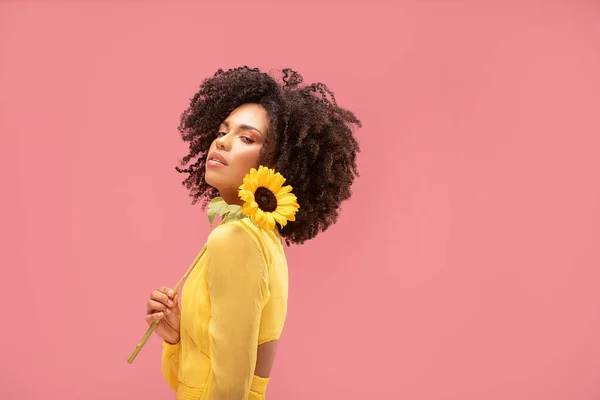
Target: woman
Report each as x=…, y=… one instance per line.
x=221, y=343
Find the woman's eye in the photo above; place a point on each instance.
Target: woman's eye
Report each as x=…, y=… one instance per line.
x=247, y=139
x=221, y=133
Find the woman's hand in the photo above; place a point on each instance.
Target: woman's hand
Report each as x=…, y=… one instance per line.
x=162, y=308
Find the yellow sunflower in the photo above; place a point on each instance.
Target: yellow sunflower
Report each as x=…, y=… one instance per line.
x=266, y=200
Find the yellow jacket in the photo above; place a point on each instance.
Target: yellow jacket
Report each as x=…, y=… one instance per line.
x=234, y=300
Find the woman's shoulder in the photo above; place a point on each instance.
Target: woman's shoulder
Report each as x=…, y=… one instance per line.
x=243, y=233
x=238, y=230
x=243, y=237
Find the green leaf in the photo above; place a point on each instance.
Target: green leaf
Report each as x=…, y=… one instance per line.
x=234, y=208
x=224, y=209
x=230, y=212
x=215, y=207
x=235, y=213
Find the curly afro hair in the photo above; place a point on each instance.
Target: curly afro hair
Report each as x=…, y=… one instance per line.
x=309, y=141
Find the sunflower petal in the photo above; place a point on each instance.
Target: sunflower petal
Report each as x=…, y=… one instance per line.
x=269, y=221
x=249, y=208
x=246, y=195
x=250, y=181
x=260, y=217
x=288, y=212
x=287, y=201
x=282, y=220
x=261, y=177
x=270, y=173
x=283, y=191
x=277, y=181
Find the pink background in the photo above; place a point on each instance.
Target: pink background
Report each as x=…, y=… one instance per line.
x=466, y=266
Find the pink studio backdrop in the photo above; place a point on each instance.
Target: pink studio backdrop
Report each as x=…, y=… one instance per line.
x=466, y=266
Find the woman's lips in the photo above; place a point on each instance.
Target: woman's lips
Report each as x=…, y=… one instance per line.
x=216, y=160
x=215, y=163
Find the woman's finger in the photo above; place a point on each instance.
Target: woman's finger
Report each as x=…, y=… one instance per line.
x=175, y=307
x=150, y=318
x=168, y=291
x=161, y=297
x=154, y=305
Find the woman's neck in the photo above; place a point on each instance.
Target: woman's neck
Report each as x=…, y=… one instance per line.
x=231, y=197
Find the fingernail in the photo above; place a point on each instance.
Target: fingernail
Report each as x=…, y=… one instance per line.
x=167, y=311
x=171, y=292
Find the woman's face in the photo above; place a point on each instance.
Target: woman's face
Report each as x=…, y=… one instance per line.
x=236, y=150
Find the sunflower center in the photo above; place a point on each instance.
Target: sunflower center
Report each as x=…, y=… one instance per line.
x=265, y=199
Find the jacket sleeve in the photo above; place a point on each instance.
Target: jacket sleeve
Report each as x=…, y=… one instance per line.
x=238, y=289
x=170, y=364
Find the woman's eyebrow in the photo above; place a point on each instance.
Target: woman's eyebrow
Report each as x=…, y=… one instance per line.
x=244, y=127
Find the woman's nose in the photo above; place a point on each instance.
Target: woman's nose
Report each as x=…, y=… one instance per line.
x=223, y=142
